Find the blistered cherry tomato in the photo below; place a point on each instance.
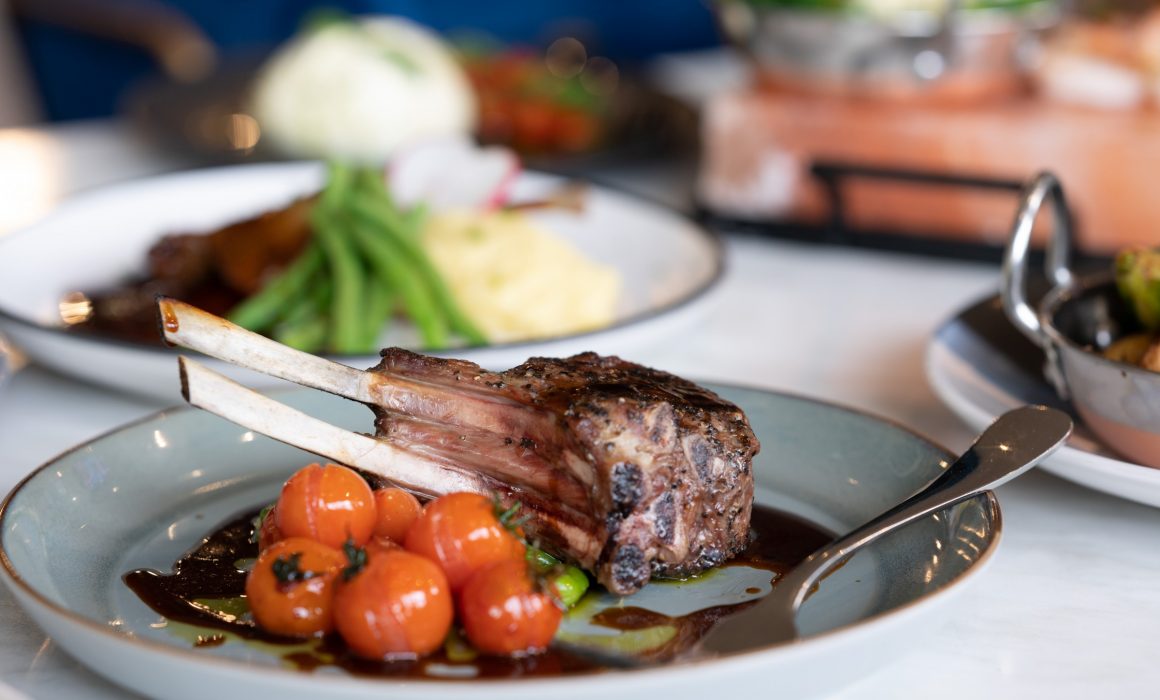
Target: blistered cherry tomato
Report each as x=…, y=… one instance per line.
x=462, y=532
x=396, y=510
x=331, y=504
x=381, y=544
x=268, y=532
x=503, y=612
x=397, y=606
x=291, y=587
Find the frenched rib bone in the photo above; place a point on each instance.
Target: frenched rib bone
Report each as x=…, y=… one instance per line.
x=628, y=471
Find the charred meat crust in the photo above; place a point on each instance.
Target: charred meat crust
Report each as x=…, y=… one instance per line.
x=655, y=469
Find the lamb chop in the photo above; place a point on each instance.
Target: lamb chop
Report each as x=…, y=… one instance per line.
x=628, y=471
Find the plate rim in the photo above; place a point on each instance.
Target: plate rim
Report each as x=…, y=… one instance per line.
x=726, y=662
x=973, y=415
x=713, y=238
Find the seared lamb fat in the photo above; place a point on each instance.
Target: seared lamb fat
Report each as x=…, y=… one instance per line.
x=658, y=466
x=628, y=471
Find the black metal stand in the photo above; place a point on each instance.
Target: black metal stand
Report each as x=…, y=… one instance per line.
x=837, y=231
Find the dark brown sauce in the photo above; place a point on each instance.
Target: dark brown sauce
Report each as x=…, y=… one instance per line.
x=331, y=651
x=778, y=540
x=630, y=617
x=210, y=571
x=687, y=629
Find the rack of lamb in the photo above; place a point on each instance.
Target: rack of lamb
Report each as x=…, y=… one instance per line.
x=627, y=471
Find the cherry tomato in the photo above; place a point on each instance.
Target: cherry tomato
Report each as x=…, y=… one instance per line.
x=291, y=587
x=398, y=606
x=381, y=544
x=462, y=532
x=503, y=612
x=268, y=532
x=331, y=504
x=396, y=511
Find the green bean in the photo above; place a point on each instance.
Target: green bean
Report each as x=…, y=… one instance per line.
x=347, y=278
x=347, y=275
x=288, y=290
x=385, y=218
x=340, y=179
x=571, y=585
x=366, y=256
x=381, y=297
x=540, y=559
x=370, y=180
x=380, y=304
x=308, y=336
x=570, y=582
x=316, y=299
x=307, y=326
x=261, y=310
x=422, y=309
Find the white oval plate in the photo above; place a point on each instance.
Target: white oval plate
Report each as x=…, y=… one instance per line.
x=981, y=367
x=667, y=263
x=142, y=495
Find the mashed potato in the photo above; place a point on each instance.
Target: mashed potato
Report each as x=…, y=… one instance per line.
x=360, y=90
x=516, y=280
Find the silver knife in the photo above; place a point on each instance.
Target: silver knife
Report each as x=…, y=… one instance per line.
x=1014, y=443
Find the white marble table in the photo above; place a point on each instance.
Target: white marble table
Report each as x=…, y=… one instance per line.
x=1070, y=607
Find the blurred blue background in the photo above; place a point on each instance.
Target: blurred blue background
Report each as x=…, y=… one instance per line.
x=79, y=73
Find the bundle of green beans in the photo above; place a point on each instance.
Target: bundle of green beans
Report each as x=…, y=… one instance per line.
x=363, y=263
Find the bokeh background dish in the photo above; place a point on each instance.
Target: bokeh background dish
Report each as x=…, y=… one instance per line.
x=208, y=120
x=669, y=266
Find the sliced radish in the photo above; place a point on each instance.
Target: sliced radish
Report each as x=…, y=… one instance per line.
x=453, y=174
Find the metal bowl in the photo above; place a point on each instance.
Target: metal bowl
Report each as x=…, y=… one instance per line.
x=1118, y=401
x=948, y=54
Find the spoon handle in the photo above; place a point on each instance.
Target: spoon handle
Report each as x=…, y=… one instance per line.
x=1014, y=443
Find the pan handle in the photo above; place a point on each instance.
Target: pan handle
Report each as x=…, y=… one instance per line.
x=1013, y=286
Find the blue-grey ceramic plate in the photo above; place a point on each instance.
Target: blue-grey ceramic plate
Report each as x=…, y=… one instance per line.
x=144, y=494
x=981, y=367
